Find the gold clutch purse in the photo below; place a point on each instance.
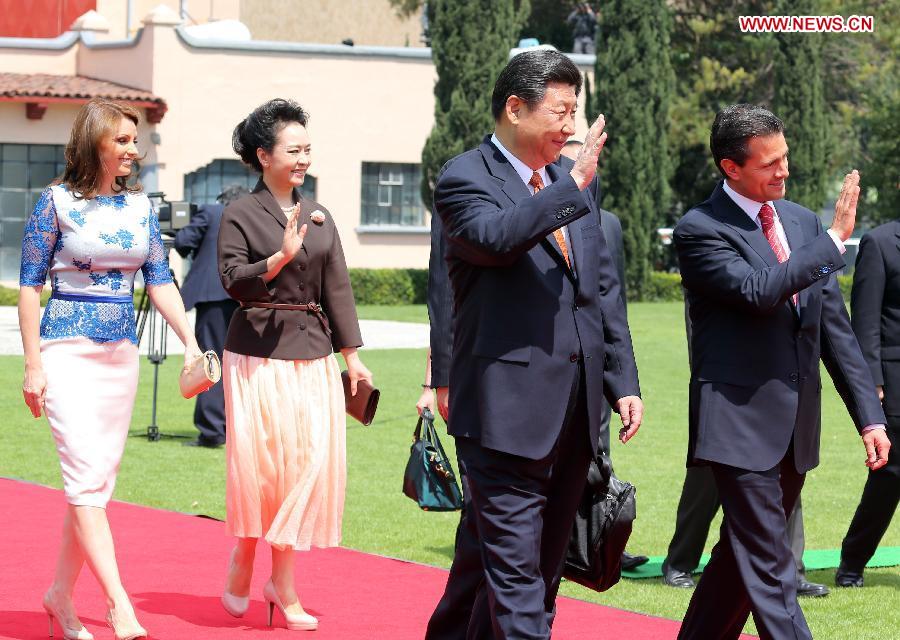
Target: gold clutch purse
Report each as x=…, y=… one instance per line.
x=200, y=375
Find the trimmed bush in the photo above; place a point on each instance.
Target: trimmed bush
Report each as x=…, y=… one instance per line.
x=663, y=287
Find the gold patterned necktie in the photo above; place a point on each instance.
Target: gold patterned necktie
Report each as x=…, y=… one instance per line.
x=538, y=184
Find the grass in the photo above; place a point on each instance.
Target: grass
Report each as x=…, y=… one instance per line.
x=398, y=313
x=380, y=519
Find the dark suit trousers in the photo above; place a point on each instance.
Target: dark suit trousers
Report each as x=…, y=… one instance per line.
x=876, y=508
x=697, y=507
x=210, y=329
x=751, y=569
x=518, y=522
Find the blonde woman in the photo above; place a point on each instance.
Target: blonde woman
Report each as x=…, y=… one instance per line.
x=91, y=233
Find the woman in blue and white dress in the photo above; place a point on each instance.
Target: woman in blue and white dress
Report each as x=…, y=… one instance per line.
x=91, y=233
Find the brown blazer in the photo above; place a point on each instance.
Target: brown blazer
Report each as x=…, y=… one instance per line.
x=252, y=230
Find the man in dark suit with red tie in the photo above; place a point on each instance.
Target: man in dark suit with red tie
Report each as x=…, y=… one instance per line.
x=764, y=309
x=539, y=336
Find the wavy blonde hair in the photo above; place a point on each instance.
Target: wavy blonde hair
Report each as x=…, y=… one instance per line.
x=96, y=120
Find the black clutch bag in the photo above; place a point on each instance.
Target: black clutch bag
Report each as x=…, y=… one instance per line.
x=429, y=477
x=602, y=526
x=362, y=406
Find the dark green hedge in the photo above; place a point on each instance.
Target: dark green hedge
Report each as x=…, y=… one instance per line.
x=409, y=286
x=389, y=286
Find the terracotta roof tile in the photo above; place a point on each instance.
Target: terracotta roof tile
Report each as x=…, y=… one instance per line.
x=43, y=85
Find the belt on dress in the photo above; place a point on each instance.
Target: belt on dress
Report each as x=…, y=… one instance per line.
x=80, y=297
x=314, y=307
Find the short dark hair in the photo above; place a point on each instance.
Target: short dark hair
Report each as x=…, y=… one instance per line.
x=528, y=74
x=733, y=128
x=260, y=129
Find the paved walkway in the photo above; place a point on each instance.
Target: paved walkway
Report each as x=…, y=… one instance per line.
x=377, y=334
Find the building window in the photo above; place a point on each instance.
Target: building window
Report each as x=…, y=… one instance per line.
x=391, y=195
x=205, y=184
x=25, y=170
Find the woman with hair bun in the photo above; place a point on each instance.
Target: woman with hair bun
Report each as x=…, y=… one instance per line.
x=280, y=256
x=91, y=233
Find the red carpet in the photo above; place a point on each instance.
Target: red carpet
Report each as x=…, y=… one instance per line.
x=174, y=566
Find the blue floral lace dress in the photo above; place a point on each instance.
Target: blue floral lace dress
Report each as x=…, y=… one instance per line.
x=91, y=250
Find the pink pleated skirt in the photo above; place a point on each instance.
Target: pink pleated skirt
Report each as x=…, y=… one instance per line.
x=89, y=401
x=285, y=450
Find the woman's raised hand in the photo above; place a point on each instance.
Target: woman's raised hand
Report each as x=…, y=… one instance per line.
x=293, y=238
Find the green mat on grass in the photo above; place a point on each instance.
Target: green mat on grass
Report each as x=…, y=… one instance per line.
x=813, y=559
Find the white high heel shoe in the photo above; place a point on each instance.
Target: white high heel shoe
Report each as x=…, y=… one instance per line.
x=295, y=621
x=68, y=634
x=134, y=633
x=235, y=605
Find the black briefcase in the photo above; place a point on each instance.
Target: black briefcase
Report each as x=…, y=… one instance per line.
x=601, y=529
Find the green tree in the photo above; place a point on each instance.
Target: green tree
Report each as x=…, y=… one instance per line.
x=634, y=81
x=799, y=101
x=470, y=43
x=547, y=23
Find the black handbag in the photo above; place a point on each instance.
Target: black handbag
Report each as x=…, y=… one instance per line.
x=429, y=478
x=602, y=526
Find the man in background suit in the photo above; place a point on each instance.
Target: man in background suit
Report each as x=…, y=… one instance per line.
x=202, y=289
x=532, y=304
x=875, y=303
x=763, y=310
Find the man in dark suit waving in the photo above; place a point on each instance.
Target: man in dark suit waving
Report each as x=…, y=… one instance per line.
x=539, y=336
x=764, y=309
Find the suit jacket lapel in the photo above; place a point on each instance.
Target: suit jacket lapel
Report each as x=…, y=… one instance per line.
x=267, y=201
x=516, y=190
x=735, y=217
x=503, y=172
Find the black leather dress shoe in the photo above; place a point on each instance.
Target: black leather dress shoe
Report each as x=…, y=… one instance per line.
x=846, y=578
x=807, y=589
x=679, y=579
x=630, y=562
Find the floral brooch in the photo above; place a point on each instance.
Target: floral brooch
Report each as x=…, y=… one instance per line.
x=317, y=216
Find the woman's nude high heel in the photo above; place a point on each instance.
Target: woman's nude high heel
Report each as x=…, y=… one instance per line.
x=68, y=634
x=295, y=621
x=235, y=605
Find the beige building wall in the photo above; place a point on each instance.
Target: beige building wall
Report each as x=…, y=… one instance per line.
x=200, y=11
x=366, y=22
x=365, y=106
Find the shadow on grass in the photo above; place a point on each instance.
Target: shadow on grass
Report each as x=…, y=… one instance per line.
x=446, y=551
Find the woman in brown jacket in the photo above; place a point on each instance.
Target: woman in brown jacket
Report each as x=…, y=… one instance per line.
x=280, y=256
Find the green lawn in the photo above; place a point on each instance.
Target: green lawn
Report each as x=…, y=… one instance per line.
x=398, y=313
x=381, y=520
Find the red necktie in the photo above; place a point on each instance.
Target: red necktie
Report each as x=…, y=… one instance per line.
x=767, y=220
x=538, y=184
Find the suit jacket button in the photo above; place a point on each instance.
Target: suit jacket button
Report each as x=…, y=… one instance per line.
x=302, y=327
x=301, y=286
x=794, y=377
x=573, y=357
x=302, y=266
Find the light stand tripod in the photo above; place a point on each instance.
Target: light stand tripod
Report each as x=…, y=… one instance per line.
x=147, y=315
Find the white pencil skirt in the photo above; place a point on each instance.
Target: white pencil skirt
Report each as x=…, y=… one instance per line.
x=89, y=400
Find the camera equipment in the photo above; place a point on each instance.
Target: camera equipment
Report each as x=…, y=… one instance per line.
x=148, y=316
x=173, y=215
